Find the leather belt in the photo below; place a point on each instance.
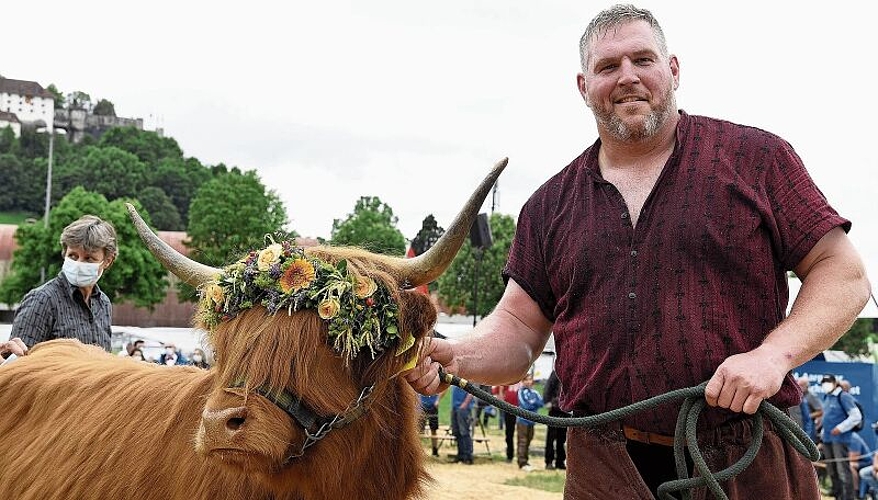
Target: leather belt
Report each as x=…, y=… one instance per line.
x=633, y=434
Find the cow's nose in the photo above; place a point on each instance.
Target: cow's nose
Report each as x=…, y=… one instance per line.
x=224, y=423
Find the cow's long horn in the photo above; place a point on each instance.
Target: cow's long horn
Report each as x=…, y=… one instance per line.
x=429, y=265
x=191, y=272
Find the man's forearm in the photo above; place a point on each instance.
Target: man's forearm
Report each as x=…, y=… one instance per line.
x=831, y=297
x=499, y=351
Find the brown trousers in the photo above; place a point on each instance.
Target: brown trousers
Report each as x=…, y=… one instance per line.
x=599, y=467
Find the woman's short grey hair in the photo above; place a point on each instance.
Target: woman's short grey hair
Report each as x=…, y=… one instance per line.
x=90, y=233
x=614, y=17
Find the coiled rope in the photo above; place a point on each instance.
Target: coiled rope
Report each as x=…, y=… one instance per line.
x=684, y=434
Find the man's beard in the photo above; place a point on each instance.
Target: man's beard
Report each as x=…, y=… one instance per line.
x=650, y=125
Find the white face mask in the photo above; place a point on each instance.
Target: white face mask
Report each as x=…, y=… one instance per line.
x=81, y=273
x=827, y=387
x=197, y=358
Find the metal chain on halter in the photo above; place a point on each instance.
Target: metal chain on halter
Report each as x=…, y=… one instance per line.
x=684, y=435
x=354, y=410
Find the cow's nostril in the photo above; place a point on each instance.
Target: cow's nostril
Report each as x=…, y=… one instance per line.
x=235, y=423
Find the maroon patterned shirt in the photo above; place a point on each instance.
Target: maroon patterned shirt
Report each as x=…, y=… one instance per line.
x=638, y=312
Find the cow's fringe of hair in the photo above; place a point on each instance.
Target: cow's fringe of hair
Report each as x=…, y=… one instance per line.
x=70, y=411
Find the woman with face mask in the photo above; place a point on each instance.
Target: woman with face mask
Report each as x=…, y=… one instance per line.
x=198, y=359
x=71, y=305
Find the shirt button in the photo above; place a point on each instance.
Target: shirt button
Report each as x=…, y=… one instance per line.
x=634, y=253
x=632, y=295
x=624, y=215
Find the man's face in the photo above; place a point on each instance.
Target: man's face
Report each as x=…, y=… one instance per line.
x=628, y=84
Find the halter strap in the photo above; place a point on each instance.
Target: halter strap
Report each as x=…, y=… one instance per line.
x=315, y=426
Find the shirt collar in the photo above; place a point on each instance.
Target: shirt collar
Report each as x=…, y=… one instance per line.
x=590, y=156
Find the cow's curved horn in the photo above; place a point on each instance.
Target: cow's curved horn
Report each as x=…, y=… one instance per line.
x=191, y=272
x=428, y=266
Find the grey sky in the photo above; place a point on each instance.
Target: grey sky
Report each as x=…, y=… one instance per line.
x=414, y=101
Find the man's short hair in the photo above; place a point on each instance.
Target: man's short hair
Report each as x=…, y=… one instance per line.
x=828, y=378
x=614, y=17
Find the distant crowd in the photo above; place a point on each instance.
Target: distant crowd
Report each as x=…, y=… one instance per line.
x=469, y=413
x=169, y=356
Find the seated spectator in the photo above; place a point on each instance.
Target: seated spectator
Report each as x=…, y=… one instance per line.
x=137, y=355
x=860, y=457
x=172, y=356
x=198, y=359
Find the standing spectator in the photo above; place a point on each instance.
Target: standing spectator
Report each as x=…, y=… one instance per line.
x=556, y=437
x=461, y=424
x=509, y=393
x=480, y=408
x=430, y=414
x=172, y=356
x=72, y=305
x=198, y=359
x=808, y=411
x=840, y=415
x=528, y=399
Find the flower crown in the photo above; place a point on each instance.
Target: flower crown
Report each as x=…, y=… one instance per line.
x=360, y=312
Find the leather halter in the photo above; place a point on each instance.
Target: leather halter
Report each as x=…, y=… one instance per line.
x=315, y=426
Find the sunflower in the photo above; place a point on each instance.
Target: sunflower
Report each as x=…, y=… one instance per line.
x=298, y=275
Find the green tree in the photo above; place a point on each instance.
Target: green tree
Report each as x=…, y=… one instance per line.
x=428, y=235
x=372, y=226
x=8, y=142
x=104, y=108
x=110, y=171
x=457, y=284
x=230, y=215
x=60, y=102
x=148, y=146
x=856, y=341
x=135, y=276
x=163, y=212
x=79, y=100
x=180, y=180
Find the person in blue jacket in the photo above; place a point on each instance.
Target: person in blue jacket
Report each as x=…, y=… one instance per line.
x=531, y=400
x=840, y=415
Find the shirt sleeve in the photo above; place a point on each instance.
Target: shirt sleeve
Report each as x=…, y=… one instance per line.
x=34, y=319
x=854, y=416
x=802, y=215
x=526, y=264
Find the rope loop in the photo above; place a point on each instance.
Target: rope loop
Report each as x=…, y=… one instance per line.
x=684, y=434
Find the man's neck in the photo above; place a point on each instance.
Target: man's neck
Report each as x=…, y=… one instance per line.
x=617, y=153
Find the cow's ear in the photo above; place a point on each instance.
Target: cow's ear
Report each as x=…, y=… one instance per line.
x=418, y=314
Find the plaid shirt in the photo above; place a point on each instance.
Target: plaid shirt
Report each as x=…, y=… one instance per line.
x=56, y=310
x=639, y=311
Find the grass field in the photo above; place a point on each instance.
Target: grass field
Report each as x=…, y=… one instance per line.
x=15, y=217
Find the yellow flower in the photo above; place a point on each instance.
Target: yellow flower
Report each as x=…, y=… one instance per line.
x=365, y=287
x=299, y=275
x=269, y=256
x=328, y=308
x=215, y=293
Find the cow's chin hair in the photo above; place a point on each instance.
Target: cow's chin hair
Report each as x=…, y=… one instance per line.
x=261, y=445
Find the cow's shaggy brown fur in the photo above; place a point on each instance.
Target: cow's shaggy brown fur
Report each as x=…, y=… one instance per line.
x=78, y=423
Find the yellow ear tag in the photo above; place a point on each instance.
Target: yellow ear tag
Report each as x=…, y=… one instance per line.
x=411, y=363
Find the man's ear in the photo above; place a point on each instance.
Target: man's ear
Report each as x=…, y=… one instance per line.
x=583, y=90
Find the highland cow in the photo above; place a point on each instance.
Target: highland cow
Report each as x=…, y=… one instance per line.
x=304, y=400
